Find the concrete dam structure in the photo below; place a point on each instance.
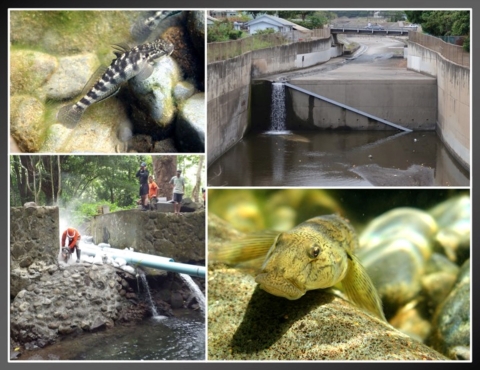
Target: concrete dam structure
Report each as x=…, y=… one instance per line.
x=403, y=91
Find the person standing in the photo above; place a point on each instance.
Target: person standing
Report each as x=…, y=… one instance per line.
x=178, y=183
x=142, y=175
x=70, y=239
x=152, y=192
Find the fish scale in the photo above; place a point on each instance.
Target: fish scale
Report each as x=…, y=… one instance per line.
x=130, y=62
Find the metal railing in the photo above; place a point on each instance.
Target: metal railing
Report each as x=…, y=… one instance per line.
x=217, y=51
x=453, y=53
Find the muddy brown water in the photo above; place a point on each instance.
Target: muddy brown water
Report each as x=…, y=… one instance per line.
x=335, y=158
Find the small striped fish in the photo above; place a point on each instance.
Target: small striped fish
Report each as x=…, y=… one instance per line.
x=130, y=62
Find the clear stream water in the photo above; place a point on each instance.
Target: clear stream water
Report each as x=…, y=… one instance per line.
x=179, y=338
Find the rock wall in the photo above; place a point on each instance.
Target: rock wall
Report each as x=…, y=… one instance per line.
x=453, y=124
x=163, y=234
x=31, y=243
x=68, y=298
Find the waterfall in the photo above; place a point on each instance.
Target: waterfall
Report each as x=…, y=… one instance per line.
x=195, y=291
x=147, y=290
x=278, y=115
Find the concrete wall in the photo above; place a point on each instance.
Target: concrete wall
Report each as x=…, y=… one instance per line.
x=229, y=88
x=409, y=103
x=163, y=234
x=453, y=123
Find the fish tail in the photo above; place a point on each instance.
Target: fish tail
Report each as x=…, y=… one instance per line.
x=360, y=289
x=69, y=114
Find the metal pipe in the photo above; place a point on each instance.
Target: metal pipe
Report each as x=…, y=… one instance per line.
x=147, y=260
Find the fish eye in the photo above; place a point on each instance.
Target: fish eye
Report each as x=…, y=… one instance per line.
x=314, y=251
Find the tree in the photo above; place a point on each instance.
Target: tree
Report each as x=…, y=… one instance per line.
x=443, y=23
x=164, y=168
x=33, y=178
x=198, y=182
x=254, y=13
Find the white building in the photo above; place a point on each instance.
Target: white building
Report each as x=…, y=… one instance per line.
x=266, y=21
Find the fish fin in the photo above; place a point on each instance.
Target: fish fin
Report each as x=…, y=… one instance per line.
x=359, y=288
x=69, y=114
x=93, y=79
x=145, y=73
x=247, y=248
x=120, y=48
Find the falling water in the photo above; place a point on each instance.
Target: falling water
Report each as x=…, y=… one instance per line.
x=195, y=290
x=278, y=114
x=149, y=296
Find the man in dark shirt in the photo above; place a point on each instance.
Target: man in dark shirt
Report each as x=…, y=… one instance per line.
x=142, y=175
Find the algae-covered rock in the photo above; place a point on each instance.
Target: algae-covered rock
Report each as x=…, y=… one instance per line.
x=27, y=125
x=29, y=70
x=71, y=76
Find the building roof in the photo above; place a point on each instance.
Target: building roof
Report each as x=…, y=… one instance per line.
x=277, y=21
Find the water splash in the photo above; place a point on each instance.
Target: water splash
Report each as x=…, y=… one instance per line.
x=278, y=115
x=195, y=291
x=147, y=290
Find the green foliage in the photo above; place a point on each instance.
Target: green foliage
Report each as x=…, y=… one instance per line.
x=220, y=31
x=354, y=13
x=442, y=23
x=466, y=44
x=267, y=31
x=254, y=13
x=81, y=212
x=314, y=21
x=235, y=34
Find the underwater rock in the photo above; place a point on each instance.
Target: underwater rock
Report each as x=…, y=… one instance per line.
x=190, y=62
x=154, y=94
x=319, y=326
x=411, y=320
x=190, y=125
x=26, y=122
x=196, y=29
x=453, y=218
x=394, y=249
x=164, y=146
x=183, y=90
x=71, y=76
x=29, y=70
x=140, y=143
x=95, y=133
x=451, y=323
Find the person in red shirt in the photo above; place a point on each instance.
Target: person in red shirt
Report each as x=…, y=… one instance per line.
x=70, y=239
x=152, y=192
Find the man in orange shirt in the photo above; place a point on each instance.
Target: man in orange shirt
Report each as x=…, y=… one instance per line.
x=70, y=239
x=152, y=192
